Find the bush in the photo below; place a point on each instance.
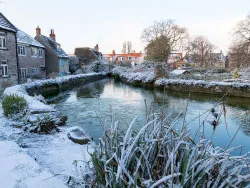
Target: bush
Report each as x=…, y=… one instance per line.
x=97, y=66
x=44, y=124
x=126, y=64
x=236, y=74
x=14, y=105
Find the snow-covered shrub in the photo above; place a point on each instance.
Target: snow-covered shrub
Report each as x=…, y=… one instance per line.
x=158, y=155
x=46, y=124
x=14, y=105
x=97, y=66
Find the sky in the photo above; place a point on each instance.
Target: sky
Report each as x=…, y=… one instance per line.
x=85, y=23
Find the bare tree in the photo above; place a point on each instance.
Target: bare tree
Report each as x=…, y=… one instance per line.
x=200, y=49
x=239, y=53
x=124, y=47
x=173, y=32
x=129, y=46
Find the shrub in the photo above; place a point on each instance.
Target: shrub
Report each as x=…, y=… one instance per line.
x=97, y=66
x=14, y=105
x=236, y=74
x=45, y=124
x=126, y=64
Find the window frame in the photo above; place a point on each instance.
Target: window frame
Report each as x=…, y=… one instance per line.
x=40, y=53
x=3, y=40
x=21, y=74
x=34, y=72
x=21, y=48
x=32, y=52
x=5, y=71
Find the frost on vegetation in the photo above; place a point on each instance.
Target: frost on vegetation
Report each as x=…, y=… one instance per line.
x=14, y=106
x=159, y=155
x=145, y=75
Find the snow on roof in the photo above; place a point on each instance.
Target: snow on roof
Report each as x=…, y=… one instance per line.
x=178, y=72
x=6, y=24
x=53, y=45
x=24, y=38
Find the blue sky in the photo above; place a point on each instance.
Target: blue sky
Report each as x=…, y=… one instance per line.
x=79, y=23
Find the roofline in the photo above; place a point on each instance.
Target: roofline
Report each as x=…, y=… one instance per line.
x=9, y=23
x=30, y=44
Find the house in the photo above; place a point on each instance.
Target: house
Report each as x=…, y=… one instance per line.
x=31, y=57
x=175, y=60
x=8, y=53
x=180, y=72
x=56, y=60
x=87, y=56
x=213, y=60
x=134, y=58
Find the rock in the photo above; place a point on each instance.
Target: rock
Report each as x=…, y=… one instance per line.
x=78, y=135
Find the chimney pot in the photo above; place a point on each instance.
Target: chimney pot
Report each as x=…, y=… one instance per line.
x=38, y=31
x=52, y=35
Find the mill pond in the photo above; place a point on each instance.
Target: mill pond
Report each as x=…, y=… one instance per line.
x=93, y=107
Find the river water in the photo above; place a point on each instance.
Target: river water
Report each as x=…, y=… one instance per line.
x=95, y=105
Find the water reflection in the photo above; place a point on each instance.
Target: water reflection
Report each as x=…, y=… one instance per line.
x=94, y=105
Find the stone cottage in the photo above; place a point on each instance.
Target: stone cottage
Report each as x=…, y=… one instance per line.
x=31, y=57
x=8, y=53
x=56, y=60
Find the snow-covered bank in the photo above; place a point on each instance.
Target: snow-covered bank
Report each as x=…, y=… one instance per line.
x=144, y=77
x=49, y=155
x=19, y=170
x=237, y=89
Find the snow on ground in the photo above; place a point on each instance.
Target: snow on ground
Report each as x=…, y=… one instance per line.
x=20, y=170
x=41, y=156
x=164, y=81
x=139, y=74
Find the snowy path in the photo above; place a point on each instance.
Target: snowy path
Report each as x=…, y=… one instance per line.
x=40, y=157
x=20, y=170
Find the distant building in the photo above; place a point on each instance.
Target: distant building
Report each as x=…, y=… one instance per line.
x=136, y=58
x=56, y=60
x=88, y=55
x=213, y=60
x=175, y=60
x=31, y=57
x=8, y=53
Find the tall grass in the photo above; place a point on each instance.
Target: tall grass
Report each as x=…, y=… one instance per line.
x=158, y=155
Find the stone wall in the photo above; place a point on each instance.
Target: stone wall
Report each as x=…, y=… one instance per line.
x=9, y=54
x=52, y=87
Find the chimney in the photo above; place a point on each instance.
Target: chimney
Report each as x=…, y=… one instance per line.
x=96, y=47
x=38, y=31
x=52, y=35
x=113, y=52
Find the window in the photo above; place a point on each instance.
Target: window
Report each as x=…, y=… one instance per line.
x=34, y=70
x=40, y=53
x=121, y=58
x=4, y=68
x=2, y=40
x=21, y=50
x=23, y=73
x=34, y=52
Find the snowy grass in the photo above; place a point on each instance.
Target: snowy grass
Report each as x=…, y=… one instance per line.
x=160, y=155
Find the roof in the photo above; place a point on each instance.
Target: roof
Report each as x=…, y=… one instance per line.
x=53, y=45
x=24, y=38
x=6, y=24
x=124, y=55
x=179, y=72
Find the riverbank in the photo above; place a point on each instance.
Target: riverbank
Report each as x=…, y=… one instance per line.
x=39, y=157
x=146, y=78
